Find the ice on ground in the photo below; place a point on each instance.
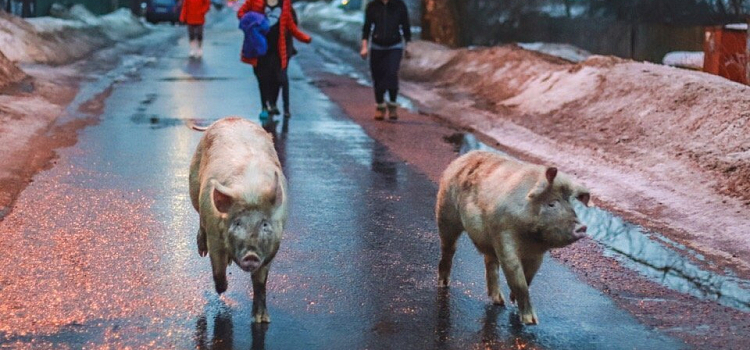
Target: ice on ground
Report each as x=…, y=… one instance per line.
x=564, y=51
x=62, y=40
x=684, y=59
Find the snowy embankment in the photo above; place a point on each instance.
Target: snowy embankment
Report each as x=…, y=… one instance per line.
x=29, y=107
x=690, y=116
x=58, y=41
x=9, y=72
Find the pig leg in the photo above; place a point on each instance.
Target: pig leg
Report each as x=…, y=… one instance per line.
x=450, y=228
x=530, y=267
x=219, y=268
x=513, y=270
x=202, y=245
x=491, y=265
x=260, y=313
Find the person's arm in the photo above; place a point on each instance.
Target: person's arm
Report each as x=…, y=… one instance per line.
x=206, y=6
x=296, y=32
x=405, y=25
x=366, y=30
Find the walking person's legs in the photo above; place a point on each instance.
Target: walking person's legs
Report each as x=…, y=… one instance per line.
x=195, y=34
x=199, y=40
x=193, y=41
x=378, y=71
x=285, y=93
x=263, y=88
x=274, y=88
x=391, y=84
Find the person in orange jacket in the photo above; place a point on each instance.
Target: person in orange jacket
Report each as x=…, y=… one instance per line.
x=270, y=69
x=194, y=15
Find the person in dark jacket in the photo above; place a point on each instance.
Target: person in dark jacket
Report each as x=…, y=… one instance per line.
x=384, y=37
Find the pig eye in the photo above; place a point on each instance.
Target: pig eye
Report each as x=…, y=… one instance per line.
x=552, y=204
x=266, y=225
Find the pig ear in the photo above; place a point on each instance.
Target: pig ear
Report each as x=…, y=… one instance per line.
x=551, y=173
x=584, y=197
x=222, y=198
x=544, y=183
x=277, y=196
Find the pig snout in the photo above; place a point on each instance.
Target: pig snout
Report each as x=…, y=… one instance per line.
x=250, y=262
x=579, y=231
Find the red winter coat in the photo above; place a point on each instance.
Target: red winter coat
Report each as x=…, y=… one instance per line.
x=194, y=11
x=286, y=23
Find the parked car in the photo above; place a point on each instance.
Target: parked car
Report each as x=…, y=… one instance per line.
x=218, y=4
x=163, y=11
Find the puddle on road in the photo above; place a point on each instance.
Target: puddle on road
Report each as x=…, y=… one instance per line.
x=195, y=79
x=155, y=121
x=650, y=254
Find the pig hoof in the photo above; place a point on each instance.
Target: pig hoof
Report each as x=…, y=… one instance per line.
x=262, y=318
x=498, y=300
x=202, y=247
x=512, y=298
x=529, y=319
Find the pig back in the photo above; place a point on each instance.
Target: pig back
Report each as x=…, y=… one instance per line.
x=237, y=153
x=494, y=186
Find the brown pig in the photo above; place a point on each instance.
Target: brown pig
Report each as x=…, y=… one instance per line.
x=239, y=190
x=514, y=212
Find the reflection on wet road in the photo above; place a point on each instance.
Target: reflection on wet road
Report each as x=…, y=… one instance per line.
x=113, y=228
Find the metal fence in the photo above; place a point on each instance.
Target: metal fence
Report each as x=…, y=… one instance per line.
x=639, y=29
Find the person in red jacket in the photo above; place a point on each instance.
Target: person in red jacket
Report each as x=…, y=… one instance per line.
x=194, y=15
x=270, y=69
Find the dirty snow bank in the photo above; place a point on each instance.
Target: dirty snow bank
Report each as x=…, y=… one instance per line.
x=9, y=73
x=62, y=40
x=323, y=17
x=564, y=51
x=684, y=59
x=607, y=102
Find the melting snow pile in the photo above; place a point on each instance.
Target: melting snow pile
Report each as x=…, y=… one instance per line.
x=328, y=18
x=684, y=59
x=61, y=40
x=565, y=51
x=9, y=73
x=647, y=109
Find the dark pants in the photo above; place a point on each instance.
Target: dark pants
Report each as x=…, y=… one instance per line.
x=271, y=81
x=195, y=32
x=384, y=66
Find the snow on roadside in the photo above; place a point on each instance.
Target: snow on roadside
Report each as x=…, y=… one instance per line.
x=323, y=17
x=684, y=59
x=691, y=116
x=57, y=41
x=564, y=51
x=9, y=72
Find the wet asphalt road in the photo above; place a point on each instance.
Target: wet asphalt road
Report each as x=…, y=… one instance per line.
x=100, y=249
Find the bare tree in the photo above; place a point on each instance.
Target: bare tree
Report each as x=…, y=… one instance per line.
x=441, y=23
